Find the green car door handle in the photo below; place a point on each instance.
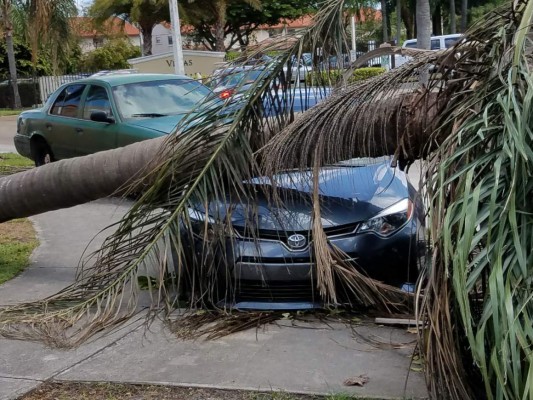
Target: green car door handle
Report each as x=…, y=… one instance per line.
x=48, y=125
x=79, y=130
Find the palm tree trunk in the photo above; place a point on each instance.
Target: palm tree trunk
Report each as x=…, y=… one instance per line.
x=8, y=29
x=75, y=181
x=464, y=14
x=423, y=24
x=384, y=19
x=79, y=180
x=13, y=70
x=146, y=32
x=398, y=21
x=453, y=27
x=407, y=18
x=221, y=7
x=423, y=31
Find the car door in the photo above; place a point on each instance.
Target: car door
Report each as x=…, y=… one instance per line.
x=97, y=136
x=60, y=127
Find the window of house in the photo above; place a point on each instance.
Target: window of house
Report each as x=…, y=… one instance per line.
x=98, y=42
x=158, y=40
x=170, y=40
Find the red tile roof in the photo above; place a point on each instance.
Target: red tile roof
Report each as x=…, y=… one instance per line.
x=307, y=20
x=86, y=27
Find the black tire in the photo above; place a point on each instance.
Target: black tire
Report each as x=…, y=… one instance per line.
x=41, y=152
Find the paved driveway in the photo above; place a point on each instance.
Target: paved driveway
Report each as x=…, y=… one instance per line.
x=310, y=357
x=8, y=127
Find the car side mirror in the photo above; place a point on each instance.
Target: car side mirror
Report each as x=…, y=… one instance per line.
x=101, y=116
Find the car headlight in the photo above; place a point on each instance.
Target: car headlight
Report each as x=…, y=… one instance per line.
x=210, y=230
x=389, y=220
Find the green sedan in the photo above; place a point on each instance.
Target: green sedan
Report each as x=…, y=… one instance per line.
x=105, y=112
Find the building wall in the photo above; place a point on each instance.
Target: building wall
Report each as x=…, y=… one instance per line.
x=196, y=62
x=161, y=40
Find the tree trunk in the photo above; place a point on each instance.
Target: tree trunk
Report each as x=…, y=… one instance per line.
x=384, y=19
x=13, y=70
x=423, y=33
x=453, y=27
x=79, y=180
x=423, y=24
x=398, y=21
x=437, y=20
x=464, y=14
x=8, y=33
x=220, y=24
x=408, y=21
x=75, y=181
x=146, y=32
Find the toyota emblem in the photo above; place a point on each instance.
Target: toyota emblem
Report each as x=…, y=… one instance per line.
x=296, y=241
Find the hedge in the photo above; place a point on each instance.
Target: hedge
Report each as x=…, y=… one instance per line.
x=334, y=75
x=29, y=94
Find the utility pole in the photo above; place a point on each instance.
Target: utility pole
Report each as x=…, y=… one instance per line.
x=177, y=49
x=354, y=45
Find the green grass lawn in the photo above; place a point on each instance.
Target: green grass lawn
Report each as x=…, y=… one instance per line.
x=17, y=237
x=14, y=160
x=4, y=112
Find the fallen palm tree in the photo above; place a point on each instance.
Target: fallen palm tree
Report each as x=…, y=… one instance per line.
x=471, y=122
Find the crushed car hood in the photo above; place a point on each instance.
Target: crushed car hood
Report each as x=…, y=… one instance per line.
x=348, y=195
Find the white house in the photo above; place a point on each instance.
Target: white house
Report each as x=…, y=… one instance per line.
x=93, y=36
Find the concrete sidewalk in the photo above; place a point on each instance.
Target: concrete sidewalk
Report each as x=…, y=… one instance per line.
x=8, y=128
x=311, y=357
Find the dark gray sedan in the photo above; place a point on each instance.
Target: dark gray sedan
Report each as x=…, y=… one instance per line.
x=368, y=210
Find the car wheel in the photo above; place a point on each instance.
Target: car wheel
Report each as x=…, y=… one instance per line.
x=41, y=152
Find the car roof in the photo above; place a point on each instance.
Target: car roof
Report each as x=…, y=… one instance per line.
x=451, y=35
x=124, y=79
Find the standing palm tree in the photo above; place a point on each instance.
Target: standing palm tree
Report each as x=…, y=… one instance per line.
x=464, y=14
x=45, y=23
x=7, y=27
x=453, y=27
x=214, y=12
x=145, y=13
x=471, y=121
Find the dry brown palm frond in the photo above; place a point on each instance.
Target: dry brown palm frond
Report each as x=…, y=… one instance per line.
x=208, y=159
x=211, y=325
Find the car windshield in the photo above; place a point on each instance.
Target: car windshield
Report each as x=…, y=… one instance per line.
x=158, y=98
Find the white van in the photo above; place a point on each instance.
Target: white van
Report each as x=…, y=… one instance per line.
x=437, y=43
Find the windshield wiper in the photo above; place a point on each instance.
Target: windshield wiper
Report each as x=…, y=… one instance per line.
x=150, y=115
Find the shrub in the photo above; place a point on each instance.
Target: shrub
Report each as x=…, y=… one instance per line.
x=114, y=54
x=333, y=76
x=28, y=91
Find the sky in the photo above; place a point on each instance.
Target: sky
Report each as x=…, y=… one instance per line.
x=81, y=4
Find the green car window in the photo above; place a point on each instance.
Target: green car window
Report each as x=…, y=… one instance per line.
x=68, y=102
x=158, y=98
x=97, y=100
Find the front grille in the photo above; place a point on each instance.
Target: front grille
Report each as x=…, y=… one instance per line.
x=249, y=232
x=280, y=291
x=351, y=256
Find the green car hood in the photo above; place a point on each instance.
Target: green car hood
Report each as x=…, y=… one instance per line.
x=164, y=124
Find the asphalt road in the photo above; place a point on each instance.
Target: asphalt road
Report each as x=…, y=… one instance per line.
x=8, y=127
